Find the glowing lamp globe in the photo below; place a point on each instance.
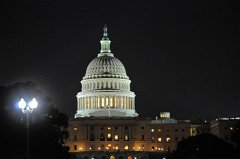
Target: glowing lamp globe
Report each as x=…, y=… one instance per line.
x=22, y=104
x=33, y=104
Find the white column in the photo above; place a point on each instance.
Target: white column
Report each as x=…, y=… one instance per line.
x=115, y=102
x=82, y=103
x=122, y=100
x=129, y=102
x=125, y=102
x=133, y=103
x=87, y=102
x=95, y=104
x=90, y=102
x=79, y=103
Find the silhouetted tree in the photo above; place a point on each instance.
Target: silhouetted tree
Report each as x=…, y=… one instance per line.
x=48, y=126
x=204, y=146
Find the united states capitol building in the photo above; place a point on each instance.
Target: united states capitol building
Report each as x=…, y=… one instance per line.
x=107, y=125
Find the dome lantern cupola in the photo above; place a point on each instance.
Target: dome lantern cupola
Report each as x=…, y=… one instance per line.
x=105, y=44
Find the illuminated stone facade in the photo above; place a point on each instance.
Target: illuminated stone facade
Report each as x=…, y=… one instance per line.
x=126, y=134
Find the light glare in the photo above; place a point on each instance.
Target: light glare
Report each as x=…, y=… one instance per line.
x=33, y=104
x=22, y=104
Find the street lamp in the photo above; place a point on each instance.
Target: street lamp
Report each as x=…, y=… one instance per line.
x=27, y=109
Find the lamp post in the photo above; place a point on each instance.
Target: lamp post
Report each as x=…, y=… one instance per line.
x=27, y=109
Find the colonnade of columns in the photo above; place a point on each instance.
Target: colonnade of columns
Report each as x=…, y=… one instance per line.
x=96, y=102
x=106, y=85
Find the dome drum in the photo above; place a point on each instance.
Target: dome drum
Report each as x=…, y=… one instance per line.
x=106, y=84
x=92, y=104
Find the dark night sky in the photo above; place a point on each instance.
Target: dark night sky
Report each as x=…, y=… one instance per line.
x=182, y=56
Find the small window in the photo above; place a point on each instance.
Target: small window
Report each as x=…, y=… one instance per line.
x=116, y=128
x=109, y=137
x=152, y=130
x=159, y=130
x=126, y=138
x=168, y=139
x=126, y=127
x=75, y=129
x=116, y=138
x=183, y=130
x=159, y=139
x=142, y=127
x=142, y=137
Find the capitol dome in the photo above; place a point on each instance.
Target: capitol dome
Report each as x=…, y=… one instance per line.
x=106, y=87
x=105, y=67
